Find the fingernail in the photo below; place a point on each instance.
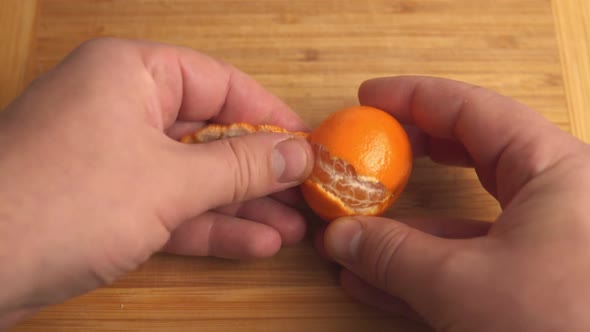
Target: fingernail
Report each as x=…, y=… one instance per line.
x=342, y=239
x=289, y=160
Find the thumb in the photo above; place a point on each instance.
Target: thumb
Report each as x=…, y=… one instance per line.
x=242, y=168
x=392, y=256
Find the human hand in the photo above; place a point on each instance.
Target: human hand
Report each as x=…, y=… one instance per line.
x=527, y=271
x=93, y=181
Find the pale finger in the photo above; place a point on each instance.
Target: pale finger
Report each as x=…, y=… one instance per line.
x=197, y=87
x=180, y=129
x=508, y=142
x=449, y=228
x=291, y=196
x=440, y=150
x=285, y=220
x=219, y=235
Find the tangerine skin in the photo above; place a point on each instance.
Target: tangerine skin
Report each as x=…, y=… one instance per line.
x=374, y=143
x=327, y=209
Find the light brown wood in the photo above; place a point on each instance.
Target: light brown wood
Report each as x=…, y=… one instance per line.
x=572, y=19
x=17, y=19
x=313, y=54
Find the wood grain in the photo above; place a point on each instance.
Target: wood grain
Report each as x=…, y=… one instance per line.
x=17, y=20
x=573, y=32
x=313, y=54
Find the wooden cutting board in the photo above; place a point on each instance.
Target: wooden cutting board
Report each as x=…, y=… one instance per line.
x=313, y=54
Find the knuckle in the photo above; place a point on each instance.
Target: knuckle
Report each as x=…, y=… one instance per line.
x=453, y=270
x=98, y=44
x=99, y=52
x=106, y=51
x=242, y=168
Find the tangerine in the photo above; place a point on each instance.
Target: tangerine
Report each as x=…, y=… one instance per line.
x=363, y=160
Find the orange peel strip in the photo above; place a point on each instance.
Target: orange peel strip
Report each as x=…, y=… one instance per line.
x=215, y=132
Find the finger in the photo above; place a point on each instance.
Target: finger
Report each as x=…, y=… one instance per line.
x=441, y=150
x=418, y=141
x=449, y=228
x=198, y=88
x=285, y=220
x=318, y=243
x=180, y=129
x=501, y=136
x=232, y=171
x=219, y=235
x=170, y=83
x=448, y=152
x=402, y=261
x=291, y=196
x=363, y=292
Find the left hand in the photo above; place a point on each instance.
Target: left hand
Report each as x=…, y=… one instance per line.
x=93, y=180
x=529, y=270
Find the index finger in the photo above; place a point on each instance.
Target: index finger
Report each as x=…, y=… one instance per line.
x=192, y=86
x=508, y=142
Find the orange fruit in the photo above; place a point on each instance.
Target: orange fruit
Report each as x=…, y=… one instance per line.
x=363, y=160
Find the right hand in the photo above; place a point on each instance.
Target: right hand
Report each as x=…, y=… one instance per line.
x=529, y=270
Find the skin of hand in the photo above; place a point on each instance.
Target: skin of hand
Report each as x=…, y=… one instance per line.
x=529, y=270
x=94, y=180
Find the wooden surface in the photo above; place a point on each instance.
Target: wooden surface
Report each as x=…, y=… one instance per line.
x=17, y=21
x=572, y=20
x=313, y=54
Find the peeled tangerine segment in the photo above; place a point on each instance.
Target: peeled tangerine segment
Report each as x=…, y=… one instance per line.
x=359, y=194
x=215, y=132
